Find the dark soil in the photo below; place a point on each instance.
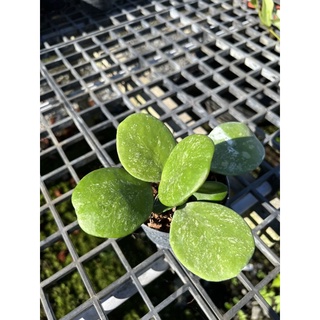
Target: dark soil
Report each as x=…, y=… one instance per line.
x=159, y=221
x=162, y=221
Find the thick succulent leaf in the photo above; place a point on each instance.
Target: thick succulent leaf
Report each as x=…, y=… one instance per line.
x=186, y=169
x=211, y=191
x=211, y=240
x=237, y=149
x=110, y=203
x=143, y=145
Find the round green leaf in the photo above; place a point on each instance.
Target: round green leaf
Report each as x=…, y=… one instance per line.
x=110, y=203
x=186, y=169
x=143, y=145
x=211, y=191
x=237, y=151
x=211, y=240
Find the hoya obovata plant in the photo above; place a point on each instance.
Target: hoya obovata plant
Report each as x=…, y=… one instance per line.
x=208, y=238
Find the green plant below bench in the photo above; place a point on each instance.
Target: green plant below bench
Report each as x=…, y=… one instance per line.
x=269, y=14
x=207, y=237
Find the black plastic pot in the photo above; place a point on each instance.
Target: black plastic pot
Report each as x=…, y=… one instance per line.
x=161, y=238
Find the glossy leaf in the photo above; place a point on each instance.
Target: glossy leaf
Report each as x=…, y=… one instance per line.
x=143, y=145
x=211, y=240
x=110, y=203
x=186, y=169
x=237, y=149
x=211, y=191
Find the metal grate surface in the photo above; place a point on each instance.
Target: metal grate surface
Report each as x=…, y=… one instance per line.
x=192, y=64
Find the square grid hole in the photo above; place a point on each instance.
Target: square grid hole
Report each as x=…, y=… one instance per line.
x=66, y=294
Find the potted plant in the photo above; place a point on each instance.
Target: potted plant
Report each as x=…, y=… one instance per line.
x=158, y=175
